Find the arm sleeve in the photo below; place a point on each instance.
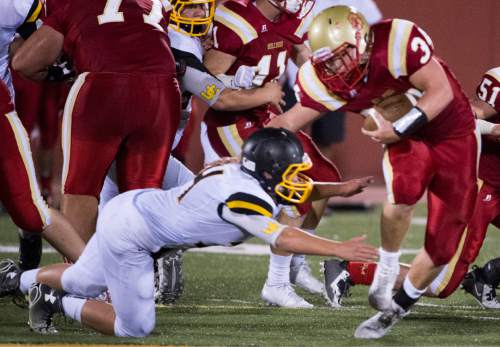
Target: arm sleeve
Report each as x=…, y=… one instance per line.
x=196, y=79
x=312, y=93
x=489, y=88
x=226, y=40
x=13, y=13
x=252, y=215
x=420, y=50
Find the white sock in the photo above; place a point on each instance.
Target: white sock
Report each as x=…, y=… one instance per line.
x=410, y=289
x=389, y=259
x=27, y=279
x=279, y=269
x=299, y=259
x=73, y=307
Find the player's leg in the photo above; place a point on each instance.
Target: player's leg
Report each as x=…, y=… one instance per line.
x=407, y=171
x=143, y=157
x=92, y=132
x=21, y=194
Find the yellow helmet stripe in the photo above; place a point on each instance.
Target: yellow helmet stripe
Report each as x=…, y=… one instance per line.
x=316, y=89
x=236, y=23
x=397, y=47
x=249, y=206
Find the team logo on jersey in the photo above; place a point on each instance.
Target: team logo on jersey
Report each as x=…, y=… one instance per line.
x=271, y=228
x=274, y=45
x=264, y=28
x=487, y=198
x=210, y=92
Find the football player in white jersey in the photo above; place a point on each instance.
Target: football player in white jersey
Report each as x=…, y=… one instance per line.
x=138, y=223
x=190, y=20
x=19, y=190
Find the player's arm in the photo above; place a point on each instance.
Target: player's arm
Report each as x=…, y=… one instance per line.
x=295, y=118
x=482, y=110
x=40, y=51
x=253, y=215
x=324, y=190
x=300, y=54
x=218, y=62
x=197, y=80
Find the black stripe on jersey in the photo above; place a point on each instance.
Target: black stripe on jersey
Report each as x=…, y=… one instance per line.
x=249, y=205
x=184, y=59
x=35, y=10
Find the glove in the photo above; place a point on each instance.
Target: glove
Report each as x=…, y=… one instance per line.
x=62, y=71
x=244, y=76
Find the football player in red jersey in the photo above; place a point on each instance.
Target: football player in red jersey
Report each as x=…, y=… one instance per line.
x=264, y=34
x=125, y=103
x=19, y=189
x=433, y=147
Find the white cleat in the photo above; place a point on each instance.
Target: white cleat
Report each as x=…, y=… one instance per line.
x=302, y=277
x=380, y=292
x=381, y=323
x=283, y=296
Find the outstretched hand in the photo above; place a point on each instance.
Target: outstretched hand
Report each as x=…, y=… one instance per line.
x=356, y=249
x=356, y=185
x=384, y=133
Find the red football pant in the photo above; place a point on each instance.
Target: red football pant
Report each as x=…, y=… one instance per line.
x=448, y=171
x=19, y=191
x=130, y=118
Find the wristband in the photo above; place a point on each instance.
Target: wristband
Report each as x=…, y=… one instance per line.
x=485, y=127
x=410, y=122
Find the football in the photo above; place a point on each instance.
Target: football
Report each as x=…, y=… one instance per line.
x=391, y=108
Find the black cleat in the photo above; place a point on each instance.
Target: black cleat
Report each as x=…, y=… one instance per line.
x=10, y=275
x=337, y=281
x=44, y=302
x=169, y=279
x=484, y=293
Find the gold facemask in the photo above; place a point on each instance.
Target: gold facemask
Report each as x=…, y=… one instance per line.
x=295, y=187
x=192, y=26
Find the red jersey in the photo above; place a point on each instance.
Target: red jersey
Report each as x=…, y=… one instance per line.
x=242, y=31
x=489, y=91
x=114, y=35
x=400, y=49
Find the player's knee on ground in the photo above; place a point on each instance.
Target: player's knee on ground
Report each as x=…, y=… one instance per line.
x=137, y=326
x=77, y=283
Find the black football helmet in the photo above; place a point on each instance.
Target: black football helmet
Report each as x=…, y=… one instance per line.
x=275, y=157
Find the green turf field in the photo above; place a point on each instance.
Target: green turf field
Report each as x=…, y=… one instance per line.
x=221, y=306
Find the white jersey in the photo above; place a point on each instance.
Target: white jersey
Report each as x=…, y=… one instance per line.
x=13, y=13
x=221, y=206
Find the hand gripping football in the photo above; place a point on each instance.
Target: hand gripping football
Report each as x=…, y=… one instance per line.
x=391, y=108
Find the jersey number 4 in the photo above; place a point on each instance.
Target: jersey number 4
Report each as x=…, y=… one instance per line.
x=112, y=14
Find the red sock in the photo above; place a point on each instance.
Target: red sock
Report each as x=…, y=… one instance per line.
x=361, y=273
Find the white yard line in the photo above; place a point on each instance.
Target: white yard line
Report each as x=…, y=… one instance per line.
x=244, y=249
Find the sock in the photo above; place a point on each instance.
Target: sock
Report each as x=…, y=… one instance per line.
x=491, y=272
x=408, y=295
x=361, y=272
x=73, y=307
x=27, y=279
x=299, y=259
x=389, y=259
x=279, y=269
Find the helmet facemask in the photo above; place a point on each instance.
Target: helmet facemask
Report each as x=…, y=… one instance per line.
x=194, y=26
x=295, y=187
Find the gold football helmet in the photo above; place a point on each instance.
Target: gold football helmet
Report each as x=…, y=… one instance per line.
x=195, y=22
x=340, y=41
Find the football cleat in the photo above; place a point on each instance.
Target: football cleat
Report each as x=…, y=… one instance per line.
x=379, y=325
x=380, y=292
x=337, y=281
x=484, y=293
x=10, y=275
x=302, y=277
x=44, y=302
x=169, y=279
x=283, y=296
